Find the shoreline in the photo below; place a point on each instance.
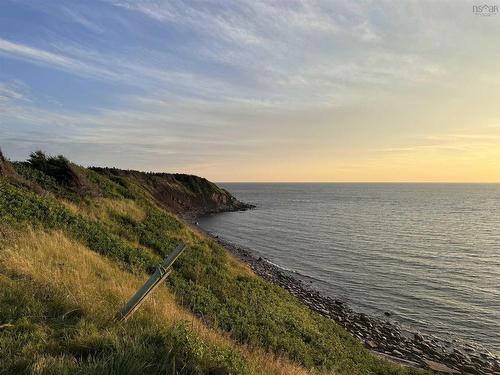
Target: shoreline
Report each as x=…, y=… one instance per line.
x=382, y=338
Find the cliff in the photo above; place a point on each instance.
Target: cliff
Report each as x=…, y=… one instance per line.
x=187, y=195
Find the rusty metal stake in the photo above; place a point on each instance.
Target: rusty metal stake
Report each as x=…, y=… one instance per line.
x=149, y=286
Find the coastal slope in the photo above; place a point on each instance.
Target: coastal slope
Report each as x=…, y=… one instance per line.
x=183, y=194
x=76, y=242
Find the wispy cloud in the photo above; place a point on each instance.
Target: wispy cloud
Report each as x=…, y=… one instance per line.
x=483, y=139
x=58, y=61
x=282, y=53
x=76, y=16
x=13, y=91
x=89, y=63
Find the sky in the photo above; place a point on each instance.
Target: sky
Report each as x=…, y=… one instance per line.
x=313, y=91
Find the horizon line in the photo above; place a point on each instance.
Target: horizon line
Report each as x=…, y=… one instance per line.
x=361, y=182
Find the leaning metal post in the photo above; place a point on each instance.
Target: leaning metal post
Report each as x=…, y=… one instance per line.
x=149, y=286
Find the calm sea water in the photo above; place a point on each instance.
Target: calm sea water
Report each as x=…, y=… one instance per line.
x=427, y=253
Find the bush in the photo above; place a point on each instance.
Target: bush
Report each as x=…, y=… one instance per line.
x=70, y=179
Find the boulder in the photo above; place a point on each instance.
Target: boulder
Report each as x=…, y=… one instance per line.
x=439, y=367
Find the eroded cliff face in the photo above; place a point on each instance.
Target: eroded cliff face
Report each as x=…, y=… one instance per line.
x=187, y=195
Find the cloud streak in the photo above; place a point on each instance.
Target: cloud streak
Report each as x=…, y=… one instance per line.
x=47, y=58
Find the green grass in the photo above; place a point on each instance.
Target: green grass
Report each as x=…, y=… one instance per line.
x=206, y=280
x=20, y=205
x=53, y=327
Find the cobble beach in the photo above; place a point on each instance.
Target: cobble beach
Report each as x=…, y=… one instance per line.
x=384, y=338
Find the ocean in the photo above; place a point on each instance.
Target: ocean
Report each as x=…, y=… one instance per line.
x=427, y=254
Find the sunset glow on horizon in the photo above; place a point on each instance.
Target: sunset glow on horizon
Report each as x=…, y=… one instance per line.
x=295, y=91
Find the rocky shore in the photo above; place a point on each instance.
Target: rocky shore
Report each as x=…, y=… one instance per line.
x=383, y=338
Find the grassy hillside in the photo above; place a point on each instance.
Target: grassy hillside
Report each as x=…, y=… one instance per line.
x=74, y=245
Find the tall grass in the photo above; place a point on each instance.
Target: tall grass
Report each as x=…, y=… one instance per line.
x=58, y=299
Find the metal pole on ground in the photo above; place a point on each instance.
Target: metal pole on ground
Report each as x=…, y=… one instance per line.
x=160, y=274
